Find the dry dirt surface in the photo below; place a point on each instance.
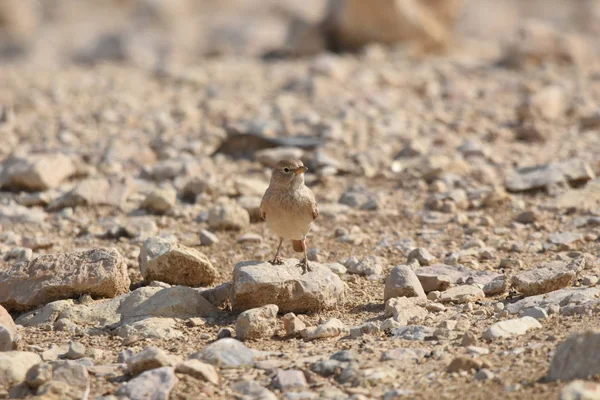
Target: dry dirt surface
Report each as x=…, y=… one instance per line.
x=456, y=253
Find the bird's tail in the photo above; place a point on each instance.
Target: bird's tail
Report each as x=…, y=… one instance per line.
x=298, y=246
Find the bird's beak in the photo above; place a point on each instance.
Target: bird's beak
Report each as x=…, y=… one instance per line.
x=300, y=170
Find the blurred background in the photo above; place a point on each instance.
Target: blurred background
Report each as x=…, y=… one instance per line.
x=155, y=33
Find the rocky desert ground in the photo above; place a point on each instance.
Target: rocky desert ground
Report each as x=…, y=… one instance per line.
x=457, y=251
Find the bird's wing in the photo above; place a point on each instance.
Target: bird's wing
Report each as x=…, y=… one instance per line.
x=315, y=210
x=313, y=205
x=263, y=212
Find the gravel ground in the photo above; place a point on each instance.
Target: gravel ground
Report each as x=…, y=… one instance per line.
x=403, y=153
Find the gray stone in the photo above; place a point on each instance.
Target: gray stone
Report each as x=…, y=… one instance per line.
x=496, y=286
x=413, y=332
x=535, y=312
x=155, y=384
x=585, y=199
x=576, y=357
x=403, y=282
x=289, y=379
x=368, y=328
x=160, y=200
x=36, y=172
x=327, y=368
x=147, y=359
x=95, y=192
x=8, y=331
x=441, y=277
x=511, y=327
x=256, y=284
x=19, y=254
x=359, y=197
x=462, y=294
x=226, y=353
x=76, y=351
x=38, y=374
x=370, y=265
x=148, y=328
x=404, y=309
x=293, y=325
x=333, y=327
x=13, y=213
x=218, y=295
x=539, y=177
x=548, y=277
x=208, y=238
x=562, y=298
x=228, y=216
x=423, y=256
x=98, y=272
x=484, y=374
x=70, y=380
x=253, y=390
x=257, y=323
x=173, y=263
x=14, y=366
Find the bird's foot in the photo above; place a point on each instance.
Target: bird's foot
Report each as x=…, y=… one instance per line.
x=305, y=266
x=276, y=261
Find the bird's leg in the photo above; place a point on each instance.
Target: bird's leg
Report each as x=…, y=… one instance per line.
x=304, y=263
x=276, y=260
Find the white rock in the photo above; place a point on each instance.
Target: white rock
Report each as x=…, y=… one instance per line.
x=36, y=172
x=8, y=331
x=199, y=370
x=208, y=238
x=289, y=379
x=368, y=328
x=98, y=272
x=404, y=309
x=549, y=277
x=331, y=328
x=370, y=265
x=149, y=358
x=293, y=325
x=462, y=294
x=148, y=328
x=173, y=263
x=14, y=366
x=511, y=327
x=256, y=284
x=257, y=323
x=228, y=216
x=535, y=312
x=423, y=256
x=576, y=357
x=226, y=353
x=160, y=200
x=153, y=384
x=402, y=282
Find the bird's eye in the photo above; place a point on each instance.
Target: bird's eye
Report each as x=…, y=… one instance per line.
x=286, y=170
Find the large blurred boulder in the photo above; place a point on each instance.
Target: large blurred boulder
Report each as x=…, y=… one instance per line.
x=351, y=24
x=19, y=20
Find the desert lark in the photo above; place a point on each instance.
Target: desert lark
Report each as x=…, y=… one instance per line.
x=289, y=207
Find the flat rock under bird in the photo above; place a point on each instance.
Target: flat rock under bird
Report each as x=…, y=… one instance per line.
x=289, y=207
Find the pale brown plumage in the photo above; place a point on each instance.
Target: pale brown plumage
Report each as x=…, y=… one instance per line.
x=289, y=206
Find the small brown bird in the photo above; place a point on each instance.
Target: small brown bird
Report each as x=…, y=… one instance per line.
x=289, y=207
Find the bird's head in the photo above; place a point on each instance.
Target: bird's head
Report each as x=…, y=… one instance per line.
x=288, y=173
